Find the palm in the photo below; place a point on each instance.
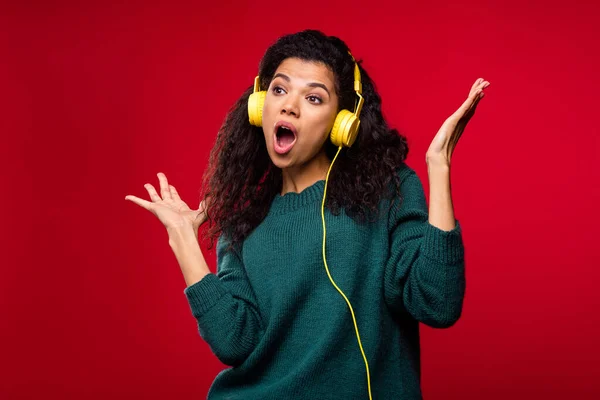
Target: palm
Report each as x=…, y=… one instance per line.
x=445, y=140
x=170, y=209
x=174, y=213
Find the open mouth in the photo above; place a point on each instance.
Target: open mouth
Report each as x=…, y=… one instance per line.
x=284, y=138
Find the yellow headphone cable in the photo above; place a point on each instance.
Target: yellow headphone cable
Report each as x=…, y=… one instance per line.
x=331, y=279
x=343, y=134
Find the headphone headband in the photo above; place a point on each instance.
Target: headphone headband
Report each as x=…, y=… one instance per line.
x=357, y=87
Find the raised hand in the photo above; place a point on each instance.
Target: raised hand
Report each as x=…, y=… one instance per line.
x=443, y=144
x=170, y=209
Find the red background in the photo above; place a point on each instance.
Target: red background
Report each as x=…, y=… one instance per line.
x=98, y=97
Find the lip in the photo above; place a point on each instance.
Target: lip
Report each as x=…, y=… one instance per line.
x=284, y=149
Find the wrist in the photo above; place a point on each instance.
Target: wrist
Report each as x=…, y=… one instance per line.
x=184, y=243
x=182, y=234
x=438, y=175
x=437, y=161
x=438, y=168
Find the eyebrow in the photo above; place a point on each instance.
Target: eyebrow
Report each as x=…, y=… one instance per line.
x=311, y=84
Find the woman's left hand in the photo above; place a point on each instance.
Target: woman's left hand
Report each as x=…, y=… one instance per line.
x=443, y=144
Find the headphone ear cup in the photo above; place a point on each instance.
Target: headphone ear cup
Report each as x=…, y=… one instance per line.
x=256, y=102
x=345, y=129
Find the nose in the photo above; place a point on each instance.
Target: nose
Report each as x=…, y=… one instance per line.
x=290, y=106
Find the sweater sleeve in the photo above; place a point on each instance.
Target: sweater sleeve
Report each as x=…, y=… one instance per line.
x=225, y=308
x=425, y=272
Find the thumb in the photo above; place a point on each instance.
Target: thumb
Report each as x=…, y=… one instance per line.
x=201, y=215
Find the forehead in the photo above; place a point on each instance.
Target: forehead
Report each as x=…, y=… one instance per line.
x=308, y=71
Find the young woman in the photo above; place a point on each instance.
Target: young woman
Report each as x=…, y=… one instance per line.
x=327, y=254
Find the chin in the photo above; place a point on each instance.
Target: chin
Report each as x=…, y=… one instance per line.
x=281, y=162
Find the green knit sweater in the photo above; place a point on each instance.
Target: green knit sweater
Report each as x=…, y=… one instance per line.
x=271, y=313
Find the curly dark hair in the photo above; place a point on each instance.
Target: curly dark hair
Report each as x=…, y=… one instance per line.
x=241, y=181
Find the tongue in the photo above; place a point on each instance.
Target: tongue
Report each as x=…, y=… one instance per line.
x=285, y=138
x=284, y=141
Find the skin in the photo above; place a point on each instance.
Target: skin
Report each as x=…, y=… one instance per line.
x=439, y=154
x=306, y=163
x=293, y=97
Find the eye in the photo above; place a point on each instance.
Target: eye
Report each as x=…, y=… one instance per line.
x=278, y=90
x=315, y=99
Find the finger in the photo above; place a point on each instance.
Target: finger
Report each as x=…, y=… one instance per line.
x=468, y=114
x=203, y=205
x=462, y=123
x=484, y=84
x=473, y=99
x=479, y=84
x=202, y=212
x=152, y=192
x=174, y=193
x=476, y=100
x=165, y=192
x=140, y=202
x=476, y=90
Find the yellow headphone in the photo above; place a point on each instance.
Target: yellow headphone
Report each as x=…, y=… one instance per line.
x=343, y=134
x=345, y=127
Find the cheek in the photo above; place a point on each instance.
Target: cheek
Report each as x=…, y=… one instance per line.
x=266, y=118
x=325, y=121
x=267, y=114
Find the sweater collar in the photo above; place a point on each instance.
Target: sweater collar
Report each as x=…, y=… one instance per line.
x=292, y=201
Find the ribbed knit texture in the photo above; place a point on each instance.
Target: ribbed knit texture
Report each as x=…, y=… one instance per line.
x=272, y=313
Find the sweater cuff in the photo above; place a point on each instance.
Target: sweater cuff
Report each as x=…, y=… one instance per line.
x=445, y=247
x=204, y=294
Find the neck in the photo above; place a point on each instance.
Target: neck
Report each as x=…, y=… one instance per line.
x=298, y=178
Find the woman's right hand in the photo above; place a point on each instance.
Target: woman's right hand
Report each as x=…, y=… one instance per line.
x=170, y=209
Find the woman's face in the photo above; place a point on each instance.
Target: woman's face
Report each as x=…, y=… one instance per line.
x=299, y=112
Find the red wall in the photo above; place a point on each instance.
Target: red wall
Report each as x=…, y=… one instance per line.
x=97, y=98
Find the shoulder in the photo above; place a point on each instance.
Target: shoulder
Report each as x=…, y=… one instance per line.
x=407, y=175
x=225, y=246
x=409, y=182
x=410, y=201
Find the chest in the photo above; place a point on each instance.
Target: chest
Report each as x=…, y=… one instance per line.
x=284, y=258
